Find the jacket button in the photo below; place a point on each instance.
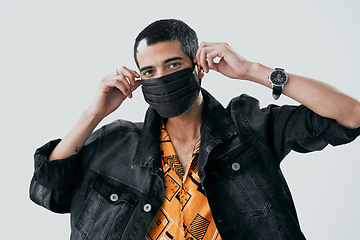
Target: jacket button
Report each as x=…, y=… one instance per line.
x=235, y=166
x=147, y=207
x=114, y=197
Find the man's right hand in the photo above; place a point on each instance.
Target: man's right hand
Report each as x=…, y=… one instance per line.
x=112, y=91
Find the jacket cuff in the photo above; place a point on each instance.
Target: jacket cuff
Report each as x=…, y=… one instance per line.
x=57, y=174
x=333, y=132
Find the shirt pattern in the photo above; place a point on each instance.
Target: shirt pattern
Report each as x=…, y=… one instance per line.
x=185, y=213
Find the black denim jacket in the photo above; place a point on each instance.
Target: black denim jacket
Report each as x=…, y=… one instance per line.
x=114, y=187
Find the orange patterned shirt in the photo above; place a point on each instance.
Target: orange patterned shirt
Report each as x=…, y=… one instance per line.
x=185, y=213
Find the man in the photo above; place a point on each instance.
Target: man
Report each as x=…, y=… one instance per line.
x=192, y=170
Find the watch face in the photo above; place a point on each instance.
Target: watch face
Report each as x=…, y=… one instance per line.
x=278, y=77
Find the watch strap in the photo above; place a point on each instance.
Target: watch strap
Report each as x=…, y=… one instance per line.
x=277, y=92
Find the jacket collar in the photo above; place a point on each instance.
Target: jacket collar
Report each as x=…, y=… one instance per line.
x=217, y=125
x=148, y=147
x=216, y=120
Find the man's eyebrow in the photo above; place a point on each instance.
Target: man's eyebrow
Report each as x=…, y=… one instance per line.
x=172, y=59
x=165, y=61
x=145, y=68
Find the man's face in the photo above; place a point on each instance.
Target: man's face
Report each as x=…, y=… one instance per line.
x=162, y=59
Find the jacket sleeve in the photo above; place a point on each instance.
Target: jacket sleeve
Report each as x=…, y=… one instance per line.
x=286, y=128
x=52, y=183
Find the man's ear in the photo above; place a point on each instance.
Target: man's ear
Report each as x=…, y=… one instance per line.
x=200, y=72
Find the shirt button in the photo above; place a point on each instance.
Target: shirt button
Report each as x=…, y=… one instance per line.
x=147, y=207
x=114, y=197
x=235, y=166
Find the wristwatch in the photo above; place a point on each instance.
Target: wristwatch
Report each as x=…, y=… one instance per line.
x=278, y=78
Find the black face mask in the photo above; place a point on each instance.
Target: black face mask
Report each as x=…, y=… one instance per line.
x=171, y=95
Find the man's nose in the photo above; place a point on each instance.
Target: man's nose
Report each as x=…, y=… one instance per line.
x=160, y=73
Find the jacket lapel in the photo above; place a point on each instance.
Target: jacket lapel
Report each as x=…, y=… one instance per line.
x=148, y=148
x=216, y=127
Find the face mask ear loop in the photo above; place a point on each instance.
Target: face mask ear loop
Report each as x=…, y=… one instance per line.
x=196, y=74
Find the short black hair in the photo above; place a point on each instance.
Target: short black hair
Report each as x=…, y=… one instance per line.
x=169, y=30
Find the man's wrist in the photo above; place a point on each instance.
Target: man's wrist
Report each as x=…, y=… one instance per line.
x=89, y=119
x=258, y=73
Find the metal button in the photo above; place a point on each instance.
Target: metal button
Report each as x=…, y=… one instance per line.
x=235, y=166
x=147, y=207
x=114, y=197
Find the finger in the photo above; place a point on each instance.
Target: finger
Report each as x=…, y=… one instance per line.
x=137, y=83
x=120, y=82
x=211, y=56
x=202, y=60
x=124, y=86
x=135, y=74
x=128, y=73
x=202, y=57
x=197, y=56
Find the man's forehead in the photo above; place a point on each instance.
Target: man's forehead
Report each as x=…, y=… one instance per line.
x=174, y=44
x=158, y=52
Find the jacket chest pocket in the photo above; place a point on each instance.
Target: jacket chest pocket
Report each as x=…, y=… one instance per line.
x=242, y=180
x=106, y=211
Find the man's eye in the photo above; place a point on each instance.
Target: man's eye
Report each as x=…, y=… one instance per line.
x=148, y=72
x=175, y=64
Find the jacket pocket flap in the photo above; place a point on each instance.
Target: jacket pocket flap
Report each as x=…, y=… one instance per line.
x=233, y=163
x=114, y=193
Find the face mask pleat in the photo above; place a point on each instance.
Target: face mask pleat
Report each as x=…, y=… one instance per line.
x=166, y=88
x=156, y=98
x=176, y=108
x=171, y=95
x=167, y=78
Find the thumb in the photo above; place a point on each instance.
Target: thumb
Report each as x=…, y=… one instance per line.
x=136, y=85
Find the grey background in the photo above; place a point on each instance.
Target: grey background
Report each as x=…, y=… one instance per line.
x=54, y=53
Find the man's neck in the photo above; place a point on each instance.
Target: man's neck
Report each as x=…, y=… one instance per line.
x=186, y=127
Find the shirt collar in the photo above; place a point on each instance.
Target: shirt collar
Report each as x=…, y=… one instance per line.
x=217, y=122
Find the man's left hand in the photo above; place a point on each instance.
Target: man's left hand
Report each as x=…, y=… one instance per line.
x=231, y=64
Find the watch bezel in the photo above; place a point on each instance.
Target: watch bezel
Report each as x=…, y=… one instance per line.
x=271, y=79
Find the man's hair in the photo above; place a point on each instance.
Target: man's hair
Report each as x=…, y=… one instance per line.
x=169, y=30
